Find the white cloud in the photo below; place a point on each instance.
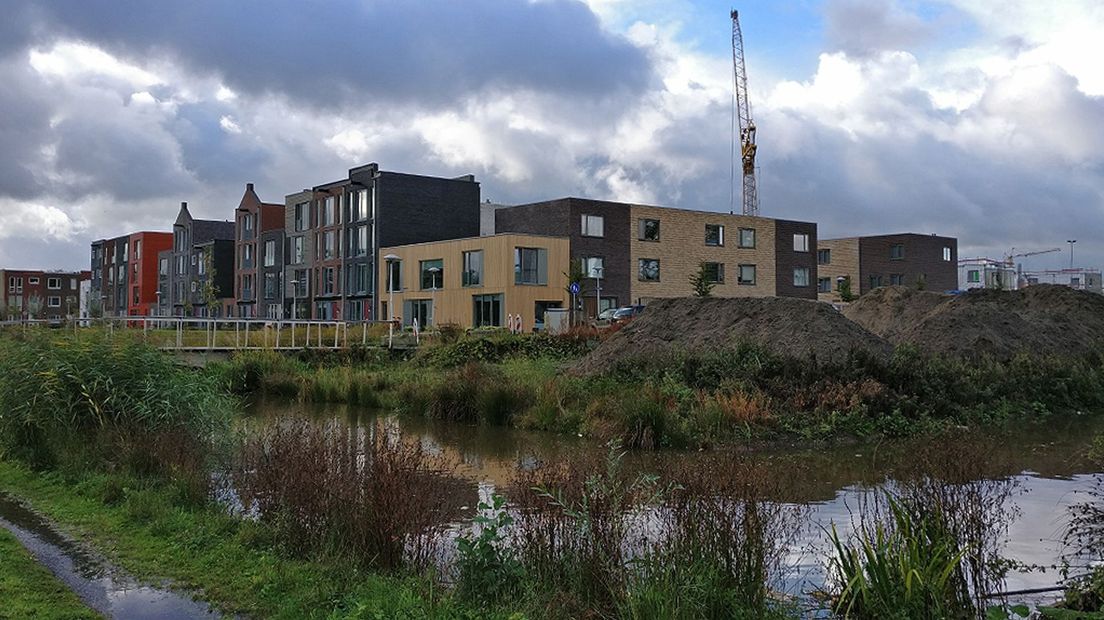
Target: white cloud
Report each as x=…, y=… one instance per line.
x=229, y=125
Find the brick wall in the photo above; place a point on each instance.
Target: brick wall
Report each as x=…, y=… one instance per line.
x=923, y=260
x=843, y=263
x=787, y=259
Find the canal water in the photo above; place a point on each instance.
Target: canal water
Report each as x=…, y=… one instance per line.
x=1045, y=463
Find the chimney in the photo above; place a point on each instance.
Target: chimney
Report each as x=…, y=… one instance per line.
x=183, y=205
x=248, y=187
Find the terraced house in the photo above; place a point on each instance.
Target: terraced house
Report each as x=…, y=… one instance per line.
x=258, y=256
x=38, y=294
x=334, y=233
x=632, y=254
x=125, y=273
x=196, y=276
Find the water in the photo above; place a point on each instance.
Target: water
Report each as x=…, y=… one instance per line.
x=102, y=587
x=1046, y=462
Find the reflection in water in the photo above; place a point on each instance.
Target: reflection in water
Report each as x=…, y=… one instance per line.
x=1046, y=462
x=101, y=587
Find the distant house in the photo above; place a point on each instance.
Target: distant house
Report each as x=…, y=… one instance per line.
x=907, y=259
x=200, y=281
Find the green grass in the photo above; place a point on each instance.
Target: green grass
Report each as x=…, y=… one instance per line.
x=235, y=565
x=29, y=590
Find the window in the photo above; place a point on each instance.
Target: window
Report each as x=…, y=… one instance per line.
x=202, y=267
x=394, y=275
x=193, y=286
x=329, y=281
x=973, y=275
x=648, y=230
x=801, y=276
x=432, y=273
x=824, y=257
x=247, y=222
x=487, y=310
x=358, y=241
x=473, y=269
x=594, y=267
x=530, y=266
x=329, y=211
x=714, y=272
x=138, y=250
x=270, y=253
x=801, y=242
x=420, y=310
x=163, y=267
x=33, y=280
x=593, y=226
x=875, y=281
x=54, y=284
x=360, y=205
x=896, y=279
x=53, y=302
x=1075, y=282
x=747, y=275
x=896, y=251
x=301, y=217
x=648, y=270
x=297, y=250
x=714, y=234
x=747, y=238
x=328, y=248
x=299, y=285
x=358, y=278
x=947, y=254
x=271, y=284
x=824, y=285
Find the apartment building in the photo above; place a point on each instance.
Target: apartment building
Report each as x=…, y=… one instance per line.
x=906, y=259
x=38, y=294
x=334, y=233
x=124, y=273
x=636, y=253
x=477, y=281
x=258, y=231
x=200, y=267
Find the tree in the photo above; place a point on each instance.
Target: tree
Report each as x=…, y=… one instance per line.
x=703, y=281
x=3, y=310
x=843, y=285
x=574, y=274
x=95, y=307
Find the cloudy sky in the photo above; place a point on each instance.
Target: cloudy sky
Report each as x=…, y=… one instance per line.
x=981, y=119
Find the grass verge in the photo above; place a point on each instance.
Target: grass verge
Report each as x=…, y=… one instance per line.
x=29, y=590
x=235, y=565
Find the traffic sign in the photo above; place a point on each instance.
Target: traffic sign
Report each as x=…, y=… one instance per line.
x=574, y=288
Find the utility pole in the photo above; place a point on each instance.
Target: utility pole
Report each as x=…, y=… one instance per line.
x=1071, y=242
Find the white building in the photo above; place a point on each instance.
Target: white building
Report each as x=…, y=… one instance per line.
x=987, y=273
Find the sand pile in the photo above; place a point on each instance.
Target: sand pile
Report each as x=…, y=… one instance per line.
x=791, y=327
x=1042, y=320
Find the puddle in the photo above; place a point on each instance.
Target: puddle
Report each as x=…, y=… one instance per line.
x=104, y=588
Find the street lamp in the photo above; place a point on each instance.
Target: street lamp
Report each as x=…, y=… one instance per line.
x=390, y=259
x=1071, y=242
x=294, y=298
x=433, y=271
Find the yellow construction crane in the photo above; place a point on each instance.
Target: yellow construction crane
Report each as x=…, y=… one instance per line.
x=746, y=124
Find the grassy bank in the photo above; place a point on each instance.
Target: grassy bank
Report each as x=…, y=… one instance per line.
x=29, y=591
x=683, y=401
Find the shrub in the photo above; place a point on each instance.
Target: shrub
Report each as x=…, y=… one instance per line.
x=488, y=569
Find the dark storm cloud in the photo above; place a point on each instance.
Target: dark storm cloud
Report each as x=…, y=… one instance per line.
x=348, y=53
x=865, y=27
x=25, y=130
x=209, y=152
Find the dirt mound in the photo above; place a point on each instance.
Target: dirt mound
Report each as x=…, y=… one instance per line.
x=886, y=311
x=1041, y=319
x=791, y=327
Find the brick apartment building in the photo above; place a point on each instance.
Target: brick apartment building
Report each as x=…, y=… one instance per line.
x=198, y=266
x=334, y=233
x=37, y=294
x=258, y=256
x=125, y=273
x=906, y=259
x=637, y=253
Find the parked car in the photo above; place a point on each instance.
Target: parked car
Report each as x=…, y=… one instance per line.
x=607, y=314
x=626, y=314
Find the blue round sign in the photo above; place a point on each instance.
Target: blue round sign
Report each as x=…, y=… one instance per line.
x=574, y=288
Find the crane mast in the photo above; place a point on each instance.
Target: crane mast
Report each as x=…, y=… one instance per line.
x=746, y=124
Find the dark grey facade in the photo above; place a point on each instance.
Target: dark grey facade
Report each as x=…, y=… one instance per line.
x=270, y=274
x=334, y=232
x=563, y=218
x=788, y=259
x=908, y=259
x=201, y=247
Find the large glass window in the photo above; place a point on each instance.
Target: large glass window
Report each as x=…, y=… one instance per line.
x=271, y=285
x=330, y=242
x=530, y=266
x=947, y=254
x=973, y=275
x=473, y=269
x=329, y=211
x=270, y=253
x=432, y=273
x=358, y=278
x=801, y=276
x=648, y=270
x=594, y=267
x=394, y=275
x=747, y=238
x=714, y=234
x=593, y=226
x=747, y=274
x=649, y=230
x=487, y=310
x=297, y=250
x=301, y=217
x=420, y=310
x=360, y=205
